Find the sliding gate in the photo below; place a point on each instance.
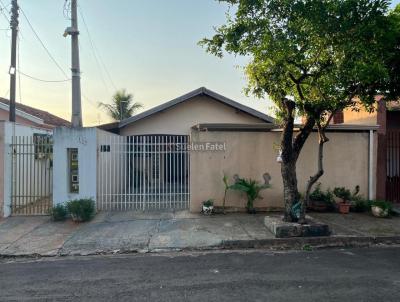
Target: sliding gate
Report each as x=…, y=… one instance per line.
x=393, y=166
x=148, y=172
x=31, y=174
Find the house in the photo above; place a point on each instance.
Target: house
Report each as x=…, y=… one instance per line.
x=176, y=154
x=173, y=156
x=30, y=116
x=387, y=118
x=177, y=116
x=26, y=159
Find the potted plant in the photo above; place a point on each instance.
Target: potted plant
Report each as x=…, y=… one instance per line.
x=380, y=208
x=345, y=195
x=208, y=207
x=321, y=201
x=252, y=189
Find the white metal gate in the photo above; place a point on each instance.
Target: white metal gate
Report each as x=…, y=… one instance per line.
x=31, y=174
x=143, y=172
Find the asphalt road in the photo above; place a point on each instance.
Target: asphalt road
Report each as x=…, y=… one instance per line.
x=327, y=275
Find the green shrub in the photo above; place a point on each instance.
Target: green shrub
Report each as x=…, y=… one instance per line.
x=81, y=209
x=342, y=193
x=359, y=204
x=384, y=205
x=58, y=212
x=321, y=198
x=208, y=203
x=251, y=188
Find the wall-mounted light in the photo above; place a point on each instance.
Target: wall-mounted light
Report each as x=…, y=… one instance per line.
x=12, y=70
x=279, y=157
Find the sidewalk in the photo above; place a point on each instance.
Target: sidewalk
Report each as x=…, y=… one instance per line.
x=128, y=232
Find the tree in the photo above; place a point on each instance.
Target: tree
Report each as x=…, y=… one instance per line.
x=312, y=58
x=122, y=106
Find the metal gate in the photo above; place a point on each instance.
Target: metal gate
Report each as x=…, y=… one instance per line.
x=32, y=174
x=143, y=172
x=393, y=166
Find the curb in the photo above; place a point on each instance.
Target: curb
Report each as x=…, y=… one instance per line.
x=312, y=242
x=298, y=243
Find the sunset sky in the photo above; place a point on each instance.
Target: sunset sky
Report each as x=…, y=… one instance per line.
x=147, y=47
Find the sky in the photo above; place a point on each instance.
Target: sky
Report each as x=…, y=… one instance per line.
x=148, y=48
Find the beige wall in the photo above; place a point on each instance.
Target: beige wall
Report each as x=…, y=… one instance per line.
x=251, y=155
x=179, y=119
x=360, y=118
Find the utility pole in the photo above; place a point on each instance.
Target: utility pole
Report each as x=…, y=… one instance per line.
x=13, y=67
x=75, y=67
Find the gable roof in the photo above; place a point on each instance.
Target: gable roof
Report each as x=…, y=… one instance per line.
x=198, y=92
x=46, y=117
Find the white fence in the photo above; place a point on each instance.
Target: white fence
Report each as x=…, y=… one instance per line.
x=32, y=175
x=143, y=172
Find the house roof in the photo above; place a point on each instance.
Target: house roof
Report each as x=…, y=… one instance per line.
x=46, y=117
x=198, y=92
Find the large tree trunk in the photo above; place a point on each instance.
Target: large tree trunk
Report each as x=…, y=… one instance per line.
x=290, y=153
x=290, y=190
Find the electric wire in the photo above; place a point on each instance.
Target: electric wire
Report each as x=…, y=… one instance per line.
x=2, y=11
x=42, y=80
x=96, y=53
x=43, y=45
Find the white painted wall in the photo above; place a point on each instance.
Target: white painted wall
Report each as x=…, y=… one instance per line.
x=112, y=167
x=7, y=131
x=85, y=140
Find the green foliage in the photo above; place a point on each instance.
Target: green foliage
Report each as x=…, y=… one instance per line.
x=319, y=54
x=122, y=106
x=208, y=203
x=384, y=205
x=360, y=205
x=319, y=195
x=81, y=209
x=251, y=188
x=326, y=198
x=307, y=248
x=226, y=184
x=343, y=193
x=58, y=212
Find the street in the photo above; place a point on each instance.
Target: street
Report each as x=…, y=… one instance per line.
x=326, y=275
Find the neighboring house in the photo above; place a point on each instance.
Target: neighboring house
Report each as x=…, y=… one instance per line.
x=26, y=159
x=29, y=116
x=387, y=117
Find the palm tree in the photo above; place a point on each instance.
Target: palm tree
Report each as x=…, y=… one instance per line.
x=122, y=106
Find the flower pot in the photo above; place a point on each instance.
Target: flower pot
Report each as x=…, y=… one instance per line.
x=318, y=206
x=207, y=210
x=379, y=212
x=344, y=208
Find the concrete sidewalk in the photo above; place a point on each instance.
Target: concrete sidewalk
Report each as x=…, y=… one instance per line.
x=126, y=232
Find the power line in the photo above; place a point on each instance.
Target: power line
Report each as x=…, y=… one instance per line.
x=90, y=101
x=2, y=11
x=96, y=53
x=42, y=80
x=44, y=46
